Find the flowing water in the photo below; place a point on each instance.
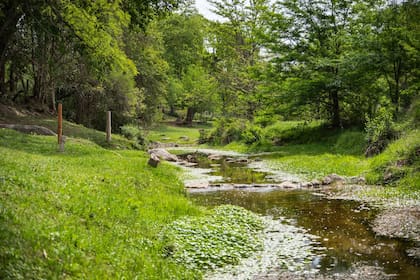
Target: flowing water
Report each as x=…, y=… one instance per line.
x=343, y=226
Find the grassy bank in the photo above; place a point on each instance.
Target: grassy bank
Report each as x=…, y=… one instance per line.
x=313, y=152
x=87, y=213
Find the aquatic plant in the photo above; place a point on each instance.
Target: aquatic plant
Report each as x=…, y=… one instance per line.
x=227, y=234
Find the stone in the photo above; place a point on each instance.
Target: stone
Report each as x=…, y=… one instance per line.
x=242, y=160
x=356, y=180
x=153, y=160
x=197, y=185
x=332, y=178
x=188, y=164
x=163, y=154
x=306, y=185
x=191, y=158
x=230, y=160
x=315, y=183
x=288, y=185
x=214, y=157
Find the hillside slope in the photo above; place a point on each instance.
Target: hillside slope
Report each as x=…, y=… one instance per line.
x=85, y=213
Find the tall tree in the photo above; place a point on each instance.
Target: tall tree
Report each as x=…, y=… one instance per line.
x=310, y=41
x=236, y=54
x=92, y=29
x=396, y=44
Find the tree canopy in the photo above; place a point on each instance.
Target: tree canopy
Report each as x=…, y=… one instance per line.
x=335, y=60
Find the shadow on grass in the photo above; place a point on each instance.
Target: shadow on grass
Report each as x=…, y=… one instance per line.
x=76, y=131
x=47, y=145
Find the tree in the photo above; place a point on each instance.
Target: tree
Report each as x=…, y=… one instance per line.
x=236, y=54
x=52, y=33
x=396, y=44
x=198, y=92
x=311, y=43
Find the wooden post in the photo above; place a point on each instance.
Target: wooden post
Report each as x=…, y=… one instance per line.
x=108, y=127
x=60, y=128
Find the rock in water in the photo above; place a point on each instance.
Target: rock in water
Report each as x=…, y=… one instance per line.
x=163, y=154
x=288, y=185
x=214, y=157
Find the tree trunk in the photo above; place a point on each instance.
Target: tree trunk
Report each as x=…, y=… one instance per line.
x=335, y=110
x=2, y=79
x=395, y=96
x=190, y=116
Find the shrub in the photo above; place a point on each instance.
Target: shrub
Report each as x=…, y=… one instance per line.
x=251, y=134
x=227, y=131
x=134, y=133
x=380, y=131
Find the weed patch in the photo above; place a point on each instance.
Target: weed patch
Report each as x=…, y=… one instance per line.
x=227, y=234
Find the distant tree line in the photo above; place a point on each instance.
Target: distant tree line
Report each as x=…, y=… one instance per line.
x=336, y=60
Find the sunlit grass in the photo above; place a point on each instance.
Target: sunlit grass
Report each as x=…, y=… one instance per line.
x=167, y=133
x=86, y=213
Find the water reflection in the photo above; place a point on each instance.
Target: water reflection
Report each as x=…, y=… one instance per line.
x=342, y=225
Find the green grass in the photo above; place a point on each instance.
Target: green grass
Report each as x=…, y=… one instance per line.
x=167, y=133
x=87, y=213
x=316, y=161
x=400, y=162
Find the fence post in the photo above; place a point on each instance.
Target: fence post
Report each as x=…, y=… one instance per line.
x=108, y=126
x=60, y=128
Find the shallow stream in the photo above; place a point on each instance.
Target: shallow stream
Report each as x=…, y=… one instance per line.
x=342, y=227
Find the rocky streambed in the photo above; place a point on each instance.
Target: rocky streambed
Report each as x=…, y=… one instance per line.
x=322, y=229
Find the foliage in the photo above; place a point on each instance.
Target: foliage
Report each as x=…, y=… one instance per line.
x=379, y=131
x=399, y=161
x=133, y=132
x=224, y=236
x=227, y=130
x=86, y=213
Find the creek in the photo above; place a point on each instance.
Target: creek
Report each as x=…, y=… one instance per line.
x=340, y=229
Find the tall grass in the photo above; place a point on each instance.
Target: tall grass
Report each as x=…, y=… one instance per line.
x=88, y=213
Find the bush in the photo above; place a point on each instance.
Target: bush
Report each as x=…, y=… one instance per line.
x=251, y=134
x=380, y=131
x=134, y=133
x=227, y=131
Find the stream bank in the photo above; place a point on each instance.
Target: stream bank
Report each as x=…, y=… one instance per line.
x=343, y=228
